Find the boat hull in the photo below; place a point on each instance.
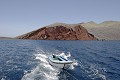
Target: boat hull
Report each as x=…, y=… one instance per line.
x=59, y=65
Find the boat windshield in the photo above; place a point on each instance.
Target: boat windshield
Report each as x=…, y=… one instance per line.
x=63, y=58
x=60, y=58
x=57, y=58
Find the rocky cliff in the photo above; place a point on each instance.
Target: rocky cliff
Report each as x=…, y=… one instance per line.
x=60, y=31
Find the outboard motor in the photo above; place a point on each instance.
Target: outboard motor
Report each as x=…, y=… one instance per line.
x=53, y=56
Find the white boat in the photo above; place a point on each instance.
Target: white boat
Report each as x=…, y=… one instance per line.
x=59, y=61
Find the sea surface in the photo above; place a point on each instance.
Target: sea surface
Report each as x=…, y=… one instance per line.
x=28, y=60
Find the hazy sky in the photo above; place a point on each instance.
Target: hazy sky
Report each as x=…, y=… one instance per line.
x=21, y=16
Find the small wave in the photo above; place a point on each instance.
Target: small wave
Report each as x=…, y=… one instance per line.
x=113, y=59
x=93, y=71
x=4, y=78
x=75, y=63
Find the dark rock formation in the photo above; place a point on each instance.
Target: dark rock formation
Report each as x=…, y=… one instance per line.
x=59, y=32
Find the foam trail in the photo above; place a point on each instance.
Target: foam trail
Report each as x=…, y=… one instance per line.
x=75, y=63
x=41, y=57
x=43, y=71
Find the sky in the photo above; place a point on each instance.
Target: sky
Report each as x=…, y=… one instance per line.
x=18, y=17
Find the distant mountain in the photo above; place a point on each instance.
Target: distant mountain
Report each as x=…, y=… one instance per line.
x=108, y=30
x=59, y=31
x=5, y=38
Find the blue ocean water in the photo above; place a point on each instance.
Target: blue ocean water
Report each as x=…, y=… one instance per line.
x=27, y=60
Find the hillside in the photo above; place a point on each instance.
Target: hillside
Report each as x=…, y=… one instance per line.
x=108, y=30
x=5, y=38
x=59, y=31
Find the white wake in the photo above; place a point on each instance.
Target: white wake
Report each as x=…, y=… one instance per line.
x=44, y=71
